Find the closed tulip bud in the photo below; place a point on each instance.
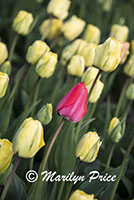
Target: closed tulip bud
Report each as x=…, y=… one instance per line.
x=119, y=32
x=80, y=195
x=130, y=92
x=76, y=66
x=36, y=51
x=45, y=114
x=90, y=75
x=97, y=90
x=23, y=22
x=73, y=105
x=73, y=27
x=6, y=67
x=6, y=154
x=88, y=52
x=72, y=49
x=51, y=29
x=59, y=8
x=4, y=79
x=3, y=52
x=115, y=130
x=125, y=52
x=108, y=55
x=88, y=147
x=46, y=65
x=92, y=34
x=132, y=47
x=29, y=138
x=129, y=67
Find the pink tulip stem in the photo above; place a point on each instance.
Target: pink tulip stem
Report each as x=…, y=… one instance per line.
x=44, y=162
x=3, y=196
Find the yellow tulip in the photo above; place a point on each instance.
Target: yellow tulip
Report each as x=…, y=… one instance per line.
x=96, y=92
x=29, y=138
x=119, y=32
x=108, y=55
x=6, y=67
x=115, y=130
x=73, y=27
x=45, y=114
x=6, y=154
x=92, y=34
x=4, y=79
x=130, y=92
x=22, y=22
x=46, y=65
x=3, y=52
x=89, y=75
x=88, y=147
x=129, y=67
x=80, y=195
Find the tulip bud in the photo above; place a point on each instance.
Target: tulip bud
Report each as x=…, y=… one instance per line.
x=36, y=51
x=4, y=79
x=119, y=32
x=29, y=138
x=6, y=154
x=73, y=105
x=125, y=52
x=89, y=75
x=51, y=29
x=72, y=49
x=130, y=92
x=6, y=67
x=80, y=195
x=59, y=8
x=96, y=92
x=132, y=47
x=92, y=34
x=76, y=66
x=115, y=130
x=73, y=27
x=88, y=147
x=3, y=52
x=45, y=114
x=129, y=67
x=22, y=22
x=108, y=55
x=46, y=65
x=88, y=52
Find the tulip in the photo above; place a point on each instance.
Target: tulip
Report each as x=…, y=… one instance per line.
x=29, y=138
x=6, y=154
x=130, y=92
x=125, y=52
x=46, y=65
x=129, y=67
x=36, y=51
x=59, y=8
x=96, y=92
x=92, y=34
x=52, y=28
x=4, y=79
x=73, y=105
x=132, y=47
x=72, y=49
x=22, y=22
x=115, y=130
x=6, y=67
x=73, y=27
x=90, y=75
x=45, y=114
x=76, y=66
x=108, y=55
x=88, y=52
x=119, y=32
x=88, y=147
x=3, y=52
x=80, y=195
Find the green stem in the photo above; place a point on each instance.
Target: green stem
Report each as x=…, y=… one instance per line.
x=121, y=97
x=13, y=47
x=35, y=98
x=110, y=156
x=60, y=190
x=56, y=41
x=31, y=163
x=46, y=29
x=122, y=168
x=78, y=130
x=44, y=162
x=3, y=196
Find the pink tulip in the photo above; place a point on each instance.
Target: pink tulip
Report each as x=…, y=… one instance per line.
x=73, y=105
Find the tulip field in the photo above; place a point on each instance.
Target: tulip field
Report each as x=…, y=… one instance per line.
x=67, y=100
